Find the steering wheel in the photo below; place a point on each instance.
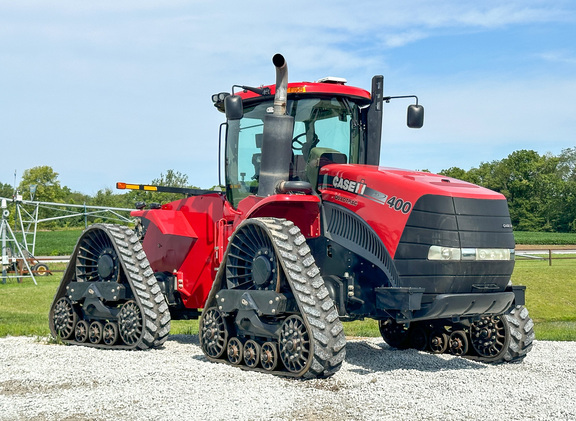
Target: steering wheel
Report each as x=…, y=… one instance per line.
x=297, y=144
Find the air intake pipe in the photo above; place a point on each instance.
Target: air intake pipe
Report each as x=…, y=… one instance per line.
x=277, y=136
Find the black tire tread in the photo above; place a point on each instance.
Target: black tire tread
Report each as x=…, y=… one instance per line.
x=521, y=328
x=317, y=307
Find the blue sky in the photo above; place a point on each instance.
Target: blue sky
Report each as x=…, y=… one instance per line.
x=112, y=91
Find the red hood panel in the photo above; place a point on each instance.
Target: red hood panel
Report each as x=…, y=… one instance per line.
x=384, y=197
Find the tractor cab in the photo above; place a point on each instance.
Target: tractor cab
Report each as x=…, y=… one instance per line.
x=331, y=123
x=327, y=128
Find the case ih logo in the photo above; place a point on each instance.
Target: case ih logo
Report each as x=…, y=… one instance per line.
x=348, y=185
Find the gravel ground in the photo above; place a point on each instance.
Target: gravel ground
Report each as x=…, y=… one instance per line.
x=53, y=382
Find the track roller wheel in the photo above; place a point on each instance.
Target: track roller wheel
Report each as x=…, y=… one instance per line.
x=251, y=353
x=295, y=344
x=395, y=334
x=95, y=332
x=110, y=333
x=64, y=318
x=81, y=331
x=438, y=342
x=458, y=343
x=235, y=349
x=269, y=356
x=213, y=333
x=130, y=323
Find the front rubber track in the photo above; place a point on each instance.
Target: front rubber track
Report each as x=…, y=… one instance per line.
x=138, y=274
x=316, y=307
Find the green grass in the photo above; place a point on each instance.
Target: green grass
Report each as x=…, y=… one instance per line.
x=544, y=238
x=24, y=307
x=56, y=243
x=550, y=298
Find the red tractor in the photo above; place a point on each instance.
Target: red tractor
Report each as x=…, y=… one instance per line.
x=309, y=232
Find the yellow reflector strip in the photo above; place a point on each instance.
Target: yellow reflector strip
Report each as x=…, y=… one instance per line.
x=296, y=90
x=136, y=187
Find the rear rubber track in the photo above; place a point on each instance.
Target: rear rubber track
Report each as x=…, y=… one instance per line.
x=141, y=280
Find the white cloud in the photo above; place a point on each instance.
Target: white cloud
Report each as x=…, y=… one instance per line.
x=558, y=56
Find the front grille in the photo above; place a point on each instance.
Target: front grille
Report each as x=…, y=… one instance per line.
x=454, y=222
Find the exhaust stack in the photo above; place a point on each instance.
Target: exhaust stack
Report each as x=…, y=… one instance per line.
x=277, y=135
x=281, y=95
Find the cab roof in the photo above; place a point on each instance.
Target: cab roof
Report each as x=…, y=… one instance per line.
x=330, y=87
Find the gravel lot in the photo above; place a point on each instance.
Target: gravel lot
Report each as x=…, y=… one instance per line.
x=53, y=382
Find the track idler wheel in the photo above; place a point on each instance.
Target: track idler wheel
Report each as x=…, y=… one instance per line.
x=213, y=333
x=64, y=318
x=130, y=323
x=295, y=344
x=504, y=338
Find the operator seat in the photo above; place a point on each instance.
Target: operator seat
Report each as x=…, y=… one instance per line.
x=320, y=157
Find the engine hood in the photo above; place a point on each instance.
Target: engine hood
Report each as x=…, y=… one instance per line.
x=385, y=197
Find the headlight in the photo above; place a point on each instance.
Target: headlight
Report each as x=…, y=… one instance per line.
x=469, y=254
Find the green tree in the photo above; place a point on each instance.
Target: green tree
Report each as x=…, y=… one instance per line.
x=536, y=187
x=45, y=180
x=6, y=190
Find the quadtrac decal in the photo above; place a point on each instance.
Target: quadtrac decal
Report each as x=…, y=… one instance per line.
x=360, y=188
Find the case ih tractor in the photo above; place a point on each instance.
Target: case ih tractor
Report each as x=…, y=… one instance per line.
x=309, y=232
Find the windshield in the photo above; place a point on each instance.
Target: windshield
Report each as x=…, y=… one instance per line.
x=322, y=125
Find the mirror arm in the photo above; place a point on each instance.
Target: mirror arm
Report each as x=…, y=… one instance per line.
x=388, y=98
x=259, y=91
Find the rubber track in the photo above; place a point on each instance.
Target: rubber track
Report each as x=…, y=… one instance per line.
x=318, y=311
x=147, y=292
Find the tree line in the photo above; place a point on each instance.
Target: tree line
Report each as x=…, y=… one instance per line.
x=42, y=184
x=541, y=189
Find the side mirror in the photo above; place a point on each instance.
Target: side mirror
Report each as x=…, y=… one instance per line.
x=415, y=116
x=233, y=107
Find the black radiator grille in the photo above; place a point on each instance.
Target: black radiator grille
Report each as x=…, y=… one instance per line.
x=352, y=232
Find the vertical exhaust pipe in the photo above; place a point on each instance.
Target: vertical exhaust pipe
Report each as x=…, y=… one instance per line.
x=277, y=135
x=281, y=84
